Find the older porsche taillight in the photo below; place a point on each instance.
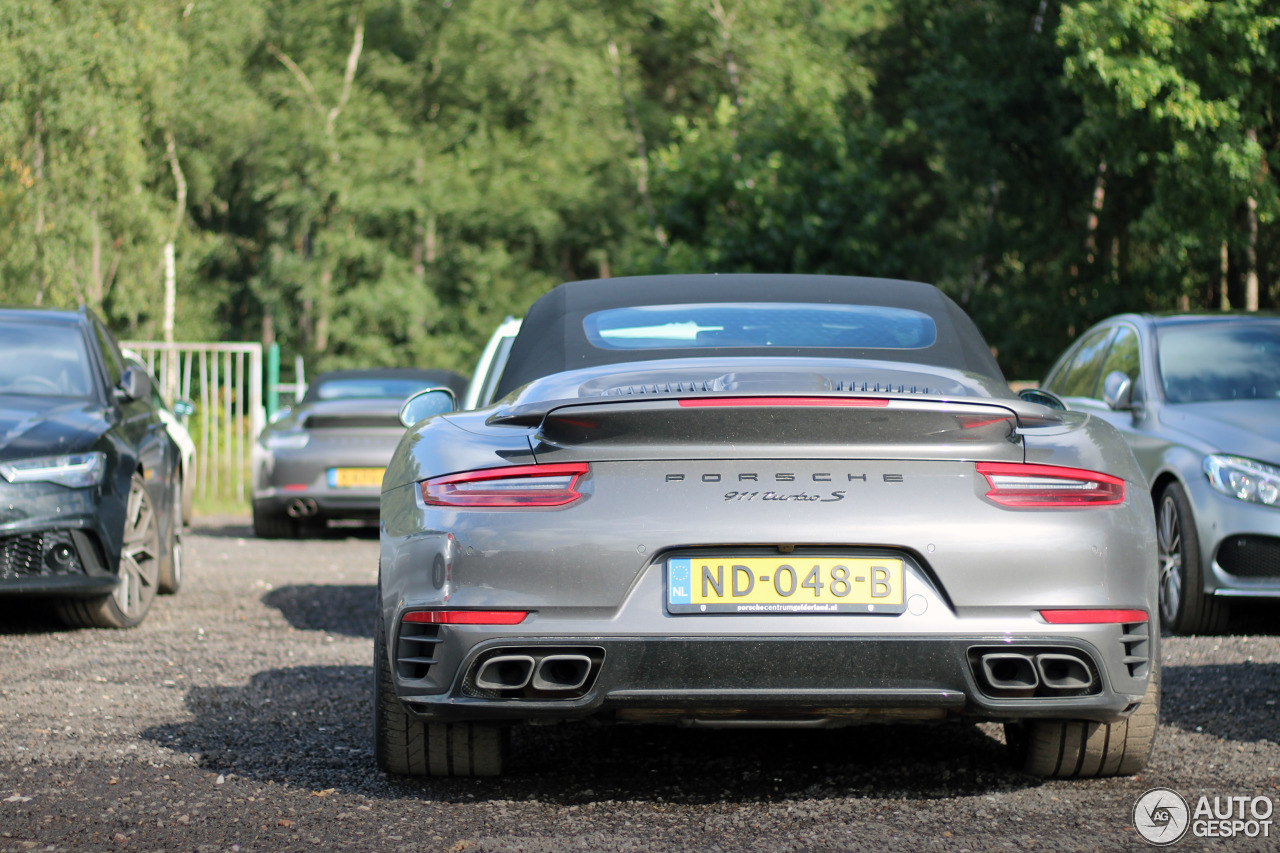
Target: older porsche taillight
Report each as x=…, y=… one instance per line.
x=1048, y=486
x=518, y=486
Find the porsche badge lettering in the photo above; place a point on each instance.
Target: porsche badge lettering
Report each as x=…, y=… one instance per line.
x=778, y=477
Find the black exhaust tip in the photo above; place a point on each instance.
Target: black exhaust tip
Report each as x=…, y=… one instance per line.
x=562, y=672
x=1064, y=672
x=1010, y=673
x=505, y=672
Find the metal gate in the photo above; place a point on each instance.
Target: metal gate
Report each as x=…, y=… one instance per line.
x=224, y=382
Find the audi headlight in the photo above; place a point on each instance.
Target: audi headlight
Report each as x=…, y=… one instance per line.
x=1246, y=479
x=74, y=470
x=286, y=440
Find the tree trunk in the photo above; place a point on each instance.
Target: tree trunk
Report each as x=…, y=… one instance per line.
x=1251, y=258
x=93, y=294
x=171, y=266
x=322, y=311
x=642, y=167
x=725, y=21
x=1095, y=212
x=1224, y=268
x=322, y=304
x=1251, y=251
x=37, y=163
x=980, y=274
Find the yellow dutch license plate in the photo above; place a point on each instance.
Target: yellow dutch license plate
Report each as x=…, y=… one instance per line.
x=346, y=478
x=785, y=585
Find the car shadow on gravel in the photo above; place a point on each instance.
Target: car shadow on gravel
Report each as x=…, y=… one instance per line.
x=29, y=616
x=311, y=726
x=1233, y=701
x=335, y=609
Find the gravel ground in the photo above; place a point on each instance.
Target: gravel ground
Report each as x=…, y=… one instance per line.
x=237, y=718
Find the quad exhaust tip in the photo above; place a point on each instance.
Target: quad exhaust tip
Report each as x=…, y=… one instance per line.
x=1012, y=674
x=505, y=672
x=1063, y=672
x=301, y=508
x=562, y=672
x=530, y=672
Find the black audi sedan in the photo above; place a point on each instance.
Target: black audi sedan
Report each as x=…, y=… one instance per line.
x=90, y=489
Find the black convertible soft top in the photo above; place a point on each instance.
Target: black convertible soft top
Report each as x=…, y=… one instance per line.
x=553, y=339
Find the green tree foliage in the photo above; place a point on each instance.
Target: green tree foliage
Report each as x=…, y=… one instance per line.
x=79, y=87
x=381, y=181
x=1180, y=98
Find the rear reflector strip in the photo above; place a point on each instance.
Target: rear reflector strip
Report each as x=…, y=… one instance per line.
x=1048, y=486
x=519, y=486
x=713, y=402
x=466, y=617
x=1092, y=617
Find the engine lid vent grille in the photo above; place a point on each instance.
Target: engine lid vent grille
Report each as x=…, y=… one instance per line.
x=709, y=387
x=694, y=387
x=881, y=388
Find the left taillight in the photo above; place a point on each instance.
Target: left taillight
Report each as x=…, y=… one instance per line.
x=519, y=486
x=1049, y=486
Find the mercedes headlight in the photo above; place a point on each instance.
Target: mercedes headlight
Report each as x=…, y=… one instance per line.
x=74, y=470
x=1246, y=479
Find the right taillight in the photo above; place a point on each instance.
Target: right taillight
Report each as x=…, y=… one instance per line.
x=1017, y=485
x=519, y=486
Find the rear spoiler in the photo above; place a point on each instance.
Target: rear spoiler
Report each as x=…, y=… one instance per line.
x=866, y=427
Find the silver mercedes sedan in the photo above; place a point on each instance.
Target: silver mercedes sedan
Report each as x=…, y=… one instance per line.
x=1198, y=399
x=761, y=501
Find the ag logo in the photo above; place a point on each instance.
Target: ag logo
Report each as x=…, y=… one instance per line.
x=1161, y=816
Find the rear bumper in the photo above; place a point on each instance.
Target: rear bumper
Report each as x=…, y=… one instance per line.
x=304, y=480
x=757, y=680
x=318, y=504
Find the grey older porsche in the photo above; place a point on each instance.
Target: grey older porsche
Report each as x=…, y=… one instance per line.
x=762, y=500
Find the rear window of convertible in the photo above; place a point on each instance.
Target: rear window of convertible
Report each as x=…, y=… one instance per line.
x=759, y=324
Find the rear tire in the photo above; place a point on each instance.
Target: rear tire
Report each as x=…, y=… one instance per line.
x=171, y=569
x=407, y=746
x=271, y=525
x=139, y=571
x=1185, y=608
x=1084, y=749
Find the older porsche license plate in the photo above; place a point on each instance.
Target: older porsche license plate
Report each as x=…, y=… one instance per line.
x=346, y=478
x=785, y=585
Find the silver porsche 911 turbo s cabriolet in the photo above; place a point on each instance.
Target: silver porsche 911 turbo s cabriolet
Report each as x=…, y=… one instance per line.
x=762, y=500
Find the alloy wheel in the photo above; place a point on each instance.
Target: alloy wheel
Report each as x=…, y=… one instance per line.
x=139, y=555
x=1169, y=550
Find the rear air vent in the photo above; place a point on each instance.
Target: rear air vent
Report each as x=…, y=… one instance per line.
x=1136, y=641
x=415, y=652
